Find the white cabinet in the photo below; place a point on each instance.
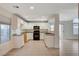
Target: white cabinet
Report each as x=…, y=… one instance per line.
x=18, y=41
x=49, y=40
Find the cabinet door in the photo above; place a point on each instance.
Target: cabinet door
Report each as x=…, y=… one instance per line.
x=5, y=33
x=25, y=37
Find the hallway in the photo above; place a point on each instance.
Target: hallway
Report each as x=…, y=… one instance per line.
x=34, y=48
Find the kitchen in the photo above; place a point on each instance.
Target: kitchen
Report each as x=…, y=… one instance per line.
x=25, y=31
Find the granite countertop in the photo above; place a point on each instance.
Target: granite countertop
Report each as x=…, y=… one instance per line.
x=45, y=31
x=31, y=30
x=16, y=34
x=50, y=33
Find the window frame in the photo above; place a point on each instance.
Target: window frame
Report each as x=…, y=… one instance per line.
x=9, y=32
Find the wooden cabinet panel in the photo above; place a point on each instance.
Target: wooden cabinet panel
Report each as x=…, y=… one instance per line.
x=25, y=37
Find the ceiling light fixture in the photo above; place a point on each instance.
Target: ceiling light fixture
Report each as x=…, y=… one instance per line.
x=32, y=8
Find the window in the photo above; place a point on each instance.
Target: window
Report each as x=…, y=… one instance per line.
x=52, y=27
x=75, y=26
x=5, y=33
x=51, y=24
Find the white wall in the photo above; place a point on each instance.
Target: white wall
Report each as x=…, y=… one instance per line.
x=4, y=19
x=68, y=30
x=68, y=14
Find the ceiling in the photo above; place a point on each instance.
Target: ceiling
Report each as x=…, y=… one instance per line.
x=41, y=10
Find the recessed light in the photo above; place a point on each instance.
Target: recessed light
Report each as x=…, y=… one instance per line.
x=16, y=6
x=32, y=8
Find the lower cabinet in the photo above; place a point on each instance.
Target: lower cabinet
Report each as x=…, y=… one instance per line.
x=18, y=41
x=49, y=41
x=25, y=37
